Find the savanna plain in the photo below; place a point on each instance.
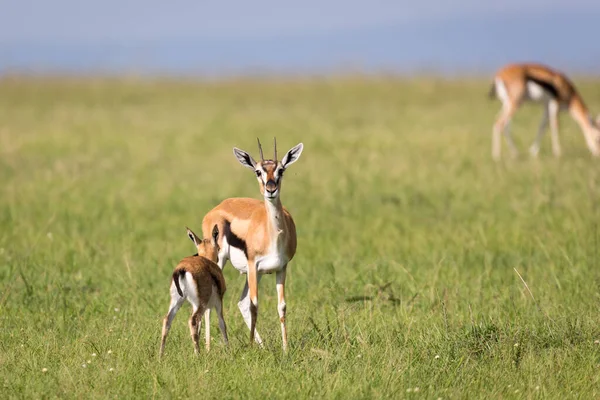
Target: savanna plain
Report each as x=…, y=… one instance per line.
x=424, y=269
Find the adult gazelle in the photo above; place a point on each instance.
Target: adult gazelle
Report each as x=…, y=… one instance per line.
x=516, y=83
x=258, y=236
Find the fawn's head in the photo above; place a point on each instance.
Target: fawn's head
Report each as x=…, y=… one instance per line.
x=269, y=172
x=208, y=248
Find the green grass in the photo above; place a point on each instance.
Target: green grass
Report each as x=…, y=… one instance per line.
x=409, y=237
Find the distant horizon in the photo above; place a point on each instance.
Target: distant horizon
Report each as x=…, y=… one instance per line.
x=131, y=39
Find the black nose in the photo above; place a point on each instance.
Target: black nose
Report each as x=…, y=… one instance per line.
x=271, y=186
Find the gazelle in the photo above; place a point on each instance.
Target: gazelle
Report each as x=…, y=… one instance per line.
x=517, y=83
x=258, y=237
x=199, y=280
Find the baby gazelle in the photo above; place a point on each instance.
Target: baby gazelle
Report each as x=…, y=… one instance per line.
x=199, y=280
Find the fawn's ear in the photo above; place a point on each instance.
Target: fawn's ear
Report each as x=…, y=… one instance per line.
x=193, y=236
x=244, y=158
x=215, y=235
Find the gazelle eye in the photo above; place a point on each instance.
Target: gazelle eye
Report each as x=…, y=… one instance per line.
x=281, y=172
x=257, y=172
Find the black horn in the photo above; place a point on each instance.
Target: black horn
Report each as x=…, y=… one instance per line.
x=275, y=146
x=260, y=149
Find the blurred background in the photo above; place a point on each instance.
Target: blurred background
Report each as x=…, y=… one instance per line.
x=224, y=38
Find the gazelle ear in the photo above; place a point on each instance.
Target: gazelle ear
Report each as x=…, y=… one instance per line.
x=292, y=155
x=244, y=158
x=215, y=235
x=192, y=236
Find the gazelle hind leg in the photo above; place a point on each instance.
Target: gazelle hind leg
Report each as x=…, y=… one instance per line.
x=222, y=325
x=501, y=122
x=514, y=152
x=244, y=306
x=195, y=322
x=176, y=303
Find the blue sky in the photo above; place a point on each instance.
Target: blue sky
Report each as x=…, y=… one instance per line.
x=238, y=37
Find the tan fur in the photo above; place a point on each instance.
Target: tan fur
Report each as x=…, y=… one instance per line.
x=208, y=279
x=263, y=229
x=206, y=273
x=515, y=78
x=248, y=221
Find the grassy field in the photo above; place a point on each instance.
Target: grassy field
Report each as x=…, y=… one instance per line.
x=404, y=284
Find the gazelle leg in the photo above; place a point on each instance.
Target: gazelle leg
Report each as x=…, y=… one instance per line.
x=553, y=109
x=253, y=293
x=176, y=303
x=195, y=322
x=222, y=325
x=222, y=260
x=501, y=122
x=244, y=306
x=514, y=152
x=281, y=307
x=535, y=147
x=207, y=328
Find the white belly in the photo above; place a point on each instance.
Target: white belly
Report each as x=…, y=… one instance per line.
x=238, y=259
x=272, y=262
x=233, y=254
x=537, y=93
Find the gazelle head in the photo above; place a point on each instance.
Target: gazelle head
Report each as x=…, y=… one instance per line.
x=208, y=248
x=269, y=172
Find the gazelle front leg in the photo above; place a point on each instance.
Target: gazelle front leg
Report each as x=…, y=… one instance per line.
x=553, y=109
x=281, y=306
x=207, y=329
x=535, y=147
x=253, y=293
x=221, y=263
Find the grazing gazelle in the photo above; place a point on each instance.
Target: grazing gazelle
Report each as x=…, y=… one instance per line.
x=258, y=237
x=199, y=280
x=517, y=83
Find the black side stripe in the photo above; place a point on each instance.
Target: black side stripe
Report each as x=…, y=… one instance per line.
x=548, y=86
x=234, y=240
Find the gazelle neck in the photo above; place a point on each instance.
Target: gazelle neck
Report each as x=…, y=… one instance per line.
x=581, y=115
x=275, y=222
